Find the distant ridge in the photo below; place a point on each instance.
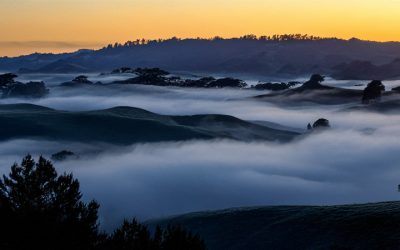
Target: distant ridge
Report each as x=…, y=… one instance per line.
x=282, y=56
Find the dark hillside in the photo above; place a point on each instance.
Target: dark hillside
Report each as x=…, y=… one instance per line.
x=368, y=226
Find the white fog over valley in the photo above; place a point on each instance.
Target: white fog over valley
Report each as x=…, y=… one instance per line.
x=199, y=125
x=355, y=161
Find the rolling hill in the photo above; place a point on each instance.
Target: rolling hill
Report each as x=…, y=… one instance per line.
x=126, y=125
x=367, y=226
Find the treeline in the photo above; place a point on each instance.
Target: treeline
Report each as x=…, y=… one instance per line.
x=40, y=209
x=250, y=37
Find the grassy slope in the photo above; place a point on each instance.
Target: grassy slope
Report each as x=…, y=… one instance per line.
x=368, y=226
x=387, y=107
x=332, y=96
x=125, y=125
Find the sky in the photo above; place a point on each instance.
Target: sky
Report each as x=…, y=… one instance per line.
x=66, y=25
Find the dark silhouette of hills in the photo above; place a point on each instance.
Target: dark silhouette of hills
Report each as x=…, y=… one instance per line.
x=364, y=70
x=60, y=67
x=129, y=125
x=313, y=91
x=287, y=55
x=368, y=226
x=34, y=61
x=388, y=107
x=373, y=97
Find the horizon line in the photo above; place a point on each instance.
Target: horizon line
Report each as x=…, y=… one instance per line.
x=75, y=46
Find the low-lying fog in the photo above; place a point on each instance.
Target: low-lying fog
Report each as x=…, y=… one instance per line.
x=356, y=161
x=153, y=180
x=187, y=101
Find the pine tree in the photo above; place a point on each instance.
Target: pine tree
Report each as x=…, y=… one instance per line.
x=41, y=210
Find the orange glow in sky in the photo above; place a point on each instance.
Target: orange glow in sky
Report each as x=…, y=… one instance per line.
x=64, y=25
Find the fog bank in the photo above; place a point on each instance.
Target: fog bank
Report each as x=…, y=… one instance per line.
x=153, y=180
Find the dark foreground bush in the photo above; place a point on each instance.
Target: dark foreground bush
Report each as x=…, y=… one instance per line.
x=133, y=235
x=40, y=209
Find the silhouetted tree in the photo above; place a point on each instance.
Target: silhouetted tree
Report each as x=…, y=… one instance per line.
x=7, y=78
x=158, y=236
x=321, y=123
x=274, y=86
x=63, y=155
x=150, y=76
x=81, y=79
x=131, y=236
x=397, y=89
x=153, y=72
x=314, y=83
x=249, y=37
x=176, y=238
x=373, y=91
x=317, y=78
x=42, y=210
x=30, y=89
x=246, y=38
x=227, y=82
x=134, y=236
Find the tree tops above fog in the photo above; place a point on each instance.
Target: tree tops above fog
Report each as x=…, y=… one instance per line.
x=159, y=77
x=11, y=88
x=40, y=209
x=315, y=82
x=7, y=79
x=373, y=91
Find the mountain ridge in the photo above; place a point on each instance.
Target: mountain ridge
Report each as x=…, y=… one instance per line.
x=247, y=55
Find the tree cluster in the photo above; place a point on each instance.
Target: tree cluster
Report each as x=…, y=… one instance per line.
x=40, y=209
x=11, y=88
x=250, y=37
x=159, y=77
x=133, y=235
x=319, y=124
x=7, y=79
x=78, y=81
x=373, y=92
x=275, y=86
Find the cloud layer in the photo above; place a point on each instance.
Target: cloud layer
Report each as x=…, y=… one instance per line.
x=356, y=161
x=153, y=180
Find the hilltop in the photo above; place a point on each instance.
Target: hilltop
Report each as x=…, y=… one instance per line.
x=281, y=56
x=127, y=125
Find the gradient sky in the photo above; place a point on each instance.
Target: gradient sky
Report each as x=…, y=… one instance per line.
x=64, y=25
